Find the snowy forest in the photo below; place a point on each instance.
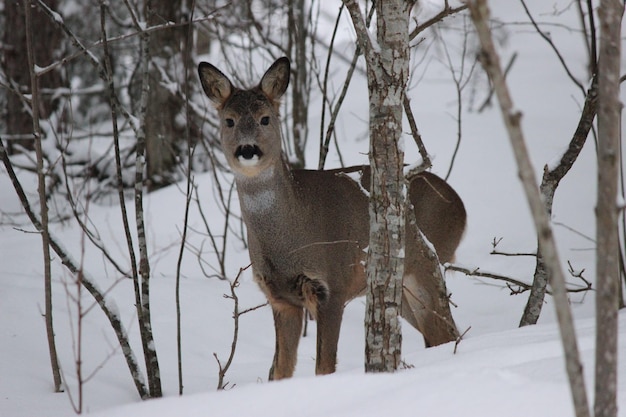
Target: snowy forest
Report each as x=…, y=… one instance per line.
x=126, y=273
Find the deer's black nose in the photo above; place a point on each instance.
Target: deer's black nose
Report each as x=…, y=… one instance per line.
x=248, y=152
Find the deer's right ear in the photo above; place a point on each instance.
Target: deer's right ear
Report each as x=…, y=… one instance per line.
x=216, y=85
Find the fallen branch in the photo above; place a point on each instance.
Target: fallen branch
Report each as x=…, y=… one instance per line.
x=522, y=286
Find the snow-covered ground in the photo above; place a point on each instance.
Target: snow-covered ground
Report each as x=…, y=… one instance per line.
x=497, y=370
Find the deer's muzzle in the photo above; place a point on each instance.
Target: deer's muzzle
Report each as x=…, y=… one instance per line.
x=248, y=154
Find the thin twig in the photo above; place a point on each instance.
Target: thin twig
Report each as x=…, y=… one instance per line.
x=324, y=143
x=236, y=314
x=508, y=67
x=554, y=48
x=330, y=130
x=495, y=252
x=417, y=137
x=460, y=338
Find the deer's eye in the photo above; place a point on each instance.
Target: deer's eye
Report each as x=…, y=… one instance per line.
x=230, y=122
x=265, y=120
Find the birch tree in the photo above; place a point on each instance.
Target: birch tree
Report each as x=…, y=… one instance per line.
x=387, y=60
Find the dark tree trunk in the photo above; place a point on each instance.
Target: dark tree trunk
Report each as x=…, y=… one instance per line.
x=17, y=122
x=164, y=127
x=300, y=86
x=162, y=134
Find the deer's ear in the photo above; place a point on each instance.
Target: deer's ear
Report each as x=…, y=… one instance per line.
x=276, y=79
x=216, y=85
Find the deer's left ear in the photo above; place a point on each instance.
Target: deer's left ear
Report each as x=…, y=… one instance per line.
x=276, y=79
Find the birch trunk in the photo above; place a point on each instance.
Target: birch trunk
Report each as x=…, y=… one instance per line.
x=387, y=74
x=385, y=264
x=607, y=255
x=142, y=282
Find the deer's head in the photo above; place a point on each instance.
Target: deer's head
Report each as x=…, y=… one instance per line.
x=249, y=119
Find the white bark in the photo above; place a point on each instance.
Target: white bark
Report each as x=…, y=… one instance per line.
x=387, y=73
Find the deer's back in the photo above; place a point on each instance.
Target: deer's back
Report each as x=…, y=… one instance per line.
x=340, y=205
x=439, y=211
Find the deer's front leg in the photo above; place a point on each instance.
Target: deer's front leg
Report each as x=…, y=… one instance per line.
x=288, y=325
x=328, y=318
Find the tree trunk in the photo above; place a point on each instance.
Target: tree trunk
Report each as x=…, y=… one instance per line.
x=41, y=188
x=512, y=120
x=142, y=281
x=607, y=255
x=387, y=75
x=163, y=133
x=385, y=264
x=549, y=183
x=298, y=26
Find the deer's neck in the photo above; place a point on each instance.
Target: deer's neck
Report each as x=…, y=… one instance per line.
x=268, y=193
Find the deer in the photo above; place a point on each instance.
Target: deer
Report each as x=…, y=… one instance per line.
x=308, y=230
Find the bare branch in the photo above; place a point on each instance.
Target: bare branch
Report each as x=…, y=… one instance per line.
x=495, y=252
x=236, y=314
x=476, y=272
x=522, y=286
x=487, y=101
x=445, y=12
x=491, y=62
x=417, y=137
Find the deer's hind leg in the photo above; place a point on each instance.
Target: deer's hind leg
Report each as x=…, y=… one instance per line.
x=288, y=321
x=425, y=303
